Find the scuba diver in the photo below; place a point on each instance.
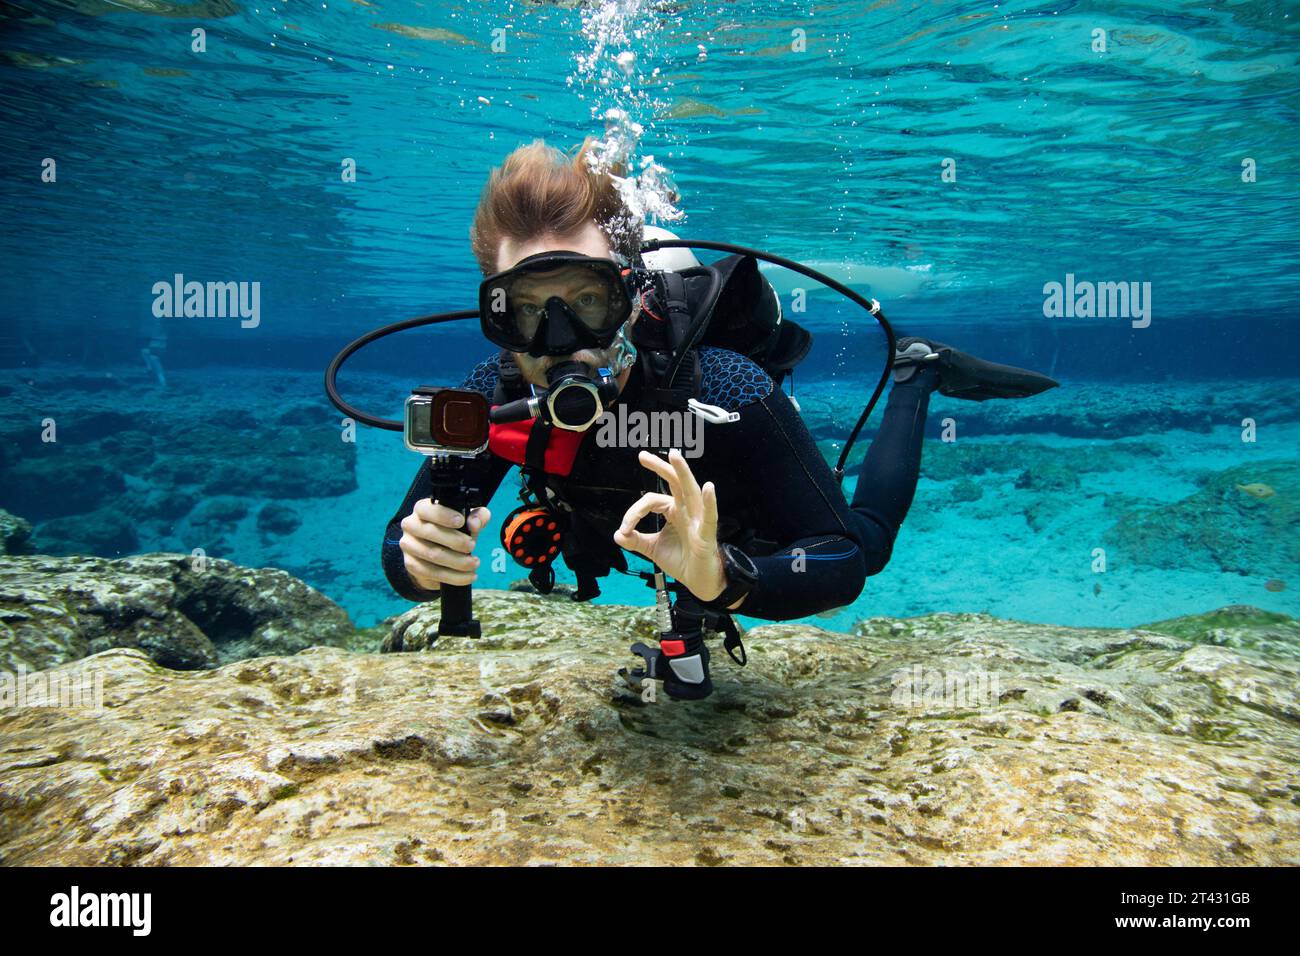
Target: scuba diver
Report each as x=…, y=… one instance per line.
x=756, y=523
x=153, y=350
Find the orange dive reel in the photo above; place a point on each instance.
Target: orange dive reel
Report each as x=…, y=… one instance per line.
x=532, y=536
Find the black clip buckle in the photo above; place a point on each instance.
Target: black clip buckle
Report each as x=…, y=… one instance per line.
x=651, y=656
x=732, y=640
x=731, y=636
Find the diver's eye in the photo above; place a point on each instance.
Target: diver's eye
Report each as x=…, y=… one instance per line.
x=529, y=311
x=590, y=307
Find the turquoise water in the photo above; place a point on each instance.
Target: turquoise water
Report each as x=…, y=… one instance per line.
x=820, y=132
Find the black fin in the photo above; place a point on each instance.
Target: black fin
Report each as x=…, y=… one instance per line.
x=965, y=376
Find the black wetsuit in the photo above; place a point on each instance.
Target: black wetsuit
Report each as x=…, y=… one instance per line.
x=775, y=491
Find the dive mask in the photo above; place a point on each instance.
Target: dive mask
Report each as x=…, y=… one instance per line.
x=556, y=303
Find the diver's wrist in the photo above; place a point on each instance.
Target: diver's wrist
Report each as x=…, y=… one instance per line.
x=737, y=576
x=719, y=576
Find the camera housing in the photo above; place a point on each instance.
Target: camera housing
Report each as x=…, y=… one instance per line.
x=446, y=421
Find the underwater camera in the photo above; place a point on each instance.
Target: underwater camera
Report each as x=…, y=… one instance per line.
x=450, y=421
x=451, y=426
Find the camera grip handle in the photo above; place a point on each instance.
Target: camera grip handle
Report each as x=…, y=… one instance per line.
x=457, y=600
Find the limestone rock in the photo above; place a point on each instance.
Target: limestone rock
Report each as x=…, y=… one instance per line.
x=108, y=532
x=54, y=610
x=295, y=462
x=221, y=512
x=1221, y=524
x=1067, y=746
x=1098, y=410
x=153, y=459
x=45, y=487
x=1049, y=477
x=1237, y=625
x=14, y=533
x=278, y=519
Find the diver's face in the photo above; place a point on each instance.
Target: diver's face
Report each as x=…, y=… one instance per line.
x=589, y=241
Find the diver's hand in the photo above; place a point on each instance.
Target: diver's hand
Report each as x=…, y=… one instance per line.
x=435, y=552
x=687, y=545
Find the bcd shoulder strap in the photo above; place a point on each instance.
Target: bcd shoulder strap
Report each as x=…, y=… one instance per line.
x=659, y=333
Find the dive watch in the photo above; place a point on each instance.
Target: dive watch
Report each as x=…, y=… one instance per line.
x=740, y=574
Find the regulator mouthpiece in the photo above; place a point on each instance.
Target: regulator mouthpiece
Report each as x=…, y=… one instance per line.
x=573, y=399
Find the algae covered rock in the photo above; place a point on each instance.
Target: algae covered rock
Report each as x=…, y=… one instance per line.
x=946, y=461
x=134, y=446
x=530, y=620
x=107, y=532
x=1042, y=510
x=302, y=461
x=182, y=613
x=1229, y=523
x=1049, y=476
x=277, y=519
x=1096, y=410
x=39, y=487
x=221, y=512
x=1237, y=625
x=14, y=533
x=946, y=739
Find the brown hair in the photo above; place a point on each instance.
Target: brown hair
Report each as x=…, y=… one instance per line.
x=539, y=191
